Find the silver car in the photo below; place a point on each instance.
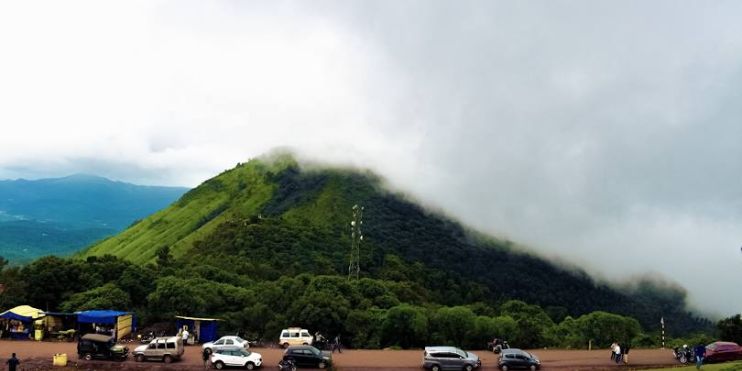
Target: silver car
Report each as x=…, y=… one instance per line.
x=449, y=358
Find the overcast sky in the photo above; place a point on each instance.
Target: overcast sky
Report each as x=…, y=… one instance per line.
x=605, y=133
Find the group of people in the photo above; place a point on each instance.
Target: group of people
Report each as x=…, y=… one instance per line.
x=321, y=342
x=620, y=352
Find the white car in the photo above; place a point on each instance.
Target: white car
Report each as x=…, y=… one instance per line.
x=236, y=357
x=295, y=336
x=225, y=342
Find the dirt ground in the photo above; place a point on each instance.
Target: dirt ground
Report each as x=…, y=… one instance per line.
x=38, y=356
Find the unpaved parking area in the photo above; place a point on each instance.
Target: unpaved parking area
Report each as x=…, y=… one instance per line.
x=38, y=356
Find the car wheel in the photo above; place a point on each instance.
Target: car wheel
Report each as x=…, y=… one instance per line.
x=534, y=368
x=88, y=356
x=139, y=358
x=167, y=359
x=435, y=368
x=219, y=365
x=250, y=366
x=683, y=360
x=322, y=364
x=468, y=367
x=304, y=344
x=505, y=368
x=285, y=345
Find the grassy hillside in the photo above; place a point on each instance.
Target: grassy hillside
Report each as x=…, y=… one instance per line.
x=264, y=220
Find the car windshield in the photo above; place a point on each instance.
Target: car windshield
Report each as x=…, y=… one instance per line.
x=244, y=352
x=237, y=338
x=315, y=351
x=461, y=353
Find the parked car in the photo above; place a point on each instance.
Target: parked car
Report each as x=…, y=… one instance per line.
x=102, y=347
x=307, y=356
x=226, y=342
x=449, y=358
x=164, y=349
x=236, y=356
x=295, y=336
x=722, y=351
x=512, y=359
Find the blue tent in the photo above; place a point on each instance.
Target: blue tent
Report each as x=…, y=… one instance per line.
x=124, y=323
x=107, y=317
x=12, y=316
x=204, y=329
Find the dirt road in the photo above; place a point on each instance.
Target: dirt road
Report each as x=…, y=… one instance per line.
x=38, y=356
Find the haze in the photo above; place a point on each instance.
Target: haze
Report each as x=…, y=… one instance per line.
x=602, y=133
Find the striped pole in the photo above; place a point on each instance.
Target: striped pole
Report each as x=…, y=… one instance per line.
x=662, y=322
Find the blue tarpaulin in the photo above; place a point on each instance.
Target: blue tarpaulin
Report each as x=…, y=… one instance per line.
x=204, y=328
x=12, y=316
x=100, y=316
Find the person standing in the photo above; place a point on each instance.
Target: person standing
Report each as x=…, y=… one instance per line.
x=185, y=335
x=618, y=353
x=336, y=344
x=625, y=352
x=12, y=363
x=205, y=355
x=700, y=352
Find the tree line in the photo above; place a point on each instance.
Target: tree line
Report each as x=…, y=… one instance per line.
x=367, y=313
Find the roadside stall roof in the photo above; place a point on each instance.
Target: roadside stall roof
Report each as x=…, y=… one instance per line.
x=12, y=316
x=100, y=316
x=27, y=311
x=198, y=319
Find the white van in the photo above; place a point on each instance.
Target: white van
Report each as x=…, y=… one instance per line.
x=295, y=336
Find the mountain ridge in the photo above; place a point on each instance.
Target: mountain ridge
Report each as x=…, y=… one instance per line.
x=270, y=218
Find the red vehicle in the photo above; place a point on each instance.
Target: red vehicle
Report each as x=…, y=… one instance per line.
x=722, y=351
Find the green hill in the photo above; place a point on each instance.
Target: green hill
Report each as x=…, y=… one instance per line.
x=268, y=219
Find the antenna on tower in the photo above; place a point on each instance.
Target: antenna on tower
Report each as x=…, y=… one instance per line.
x=354, y=268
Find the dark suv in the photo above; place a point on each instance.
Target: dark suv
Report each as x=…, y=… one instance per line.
x=307, y=356
x=511, y=359
x=100, y=346
x=449, y=358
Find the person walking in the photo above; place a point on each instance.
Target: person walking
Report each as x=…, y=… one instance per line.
x=336, y=344
x=700, y=352
x=205, y=355
x=618, y=353
x=625, y=352
x=613, y=351
x=12, y=363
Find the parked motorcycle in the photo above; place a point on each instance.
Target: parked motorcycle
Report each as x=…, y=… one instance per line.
x=286, y=365
x=147, y=338
x=497, y=345
x=683, y=354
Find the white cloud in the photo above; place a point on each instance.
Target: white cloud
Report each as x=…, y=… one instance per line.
x=583, y=129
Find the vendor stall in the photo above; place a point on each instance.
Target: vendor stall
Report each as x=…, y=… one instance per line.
x=20, y=322
x=14, y=326
x=60, y=326
x=109, y=322
x=202, y=330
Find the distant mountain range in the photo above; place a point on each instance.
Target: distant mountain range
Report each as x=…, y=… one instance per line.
x=269, y=219
x=61, y=215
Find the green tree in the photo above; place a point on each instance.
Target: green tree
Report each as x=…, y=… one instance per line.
x=602, y=328
x=108, y=296
x=730, y=329
x=173, y=296
x=452, y=324
x=405, y=326
x=534, y=325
